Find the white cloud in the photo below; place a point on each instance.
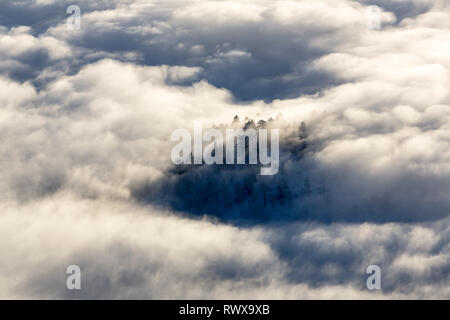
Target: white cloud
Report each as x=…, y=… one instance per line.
x=87, y=117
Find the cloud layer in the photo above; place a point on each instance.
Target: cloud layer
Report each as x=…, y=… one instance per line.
x=86, y=176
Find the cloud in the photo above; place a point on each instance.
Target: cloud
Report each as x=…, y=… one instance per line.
x=158, y=255
x=86, y=176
